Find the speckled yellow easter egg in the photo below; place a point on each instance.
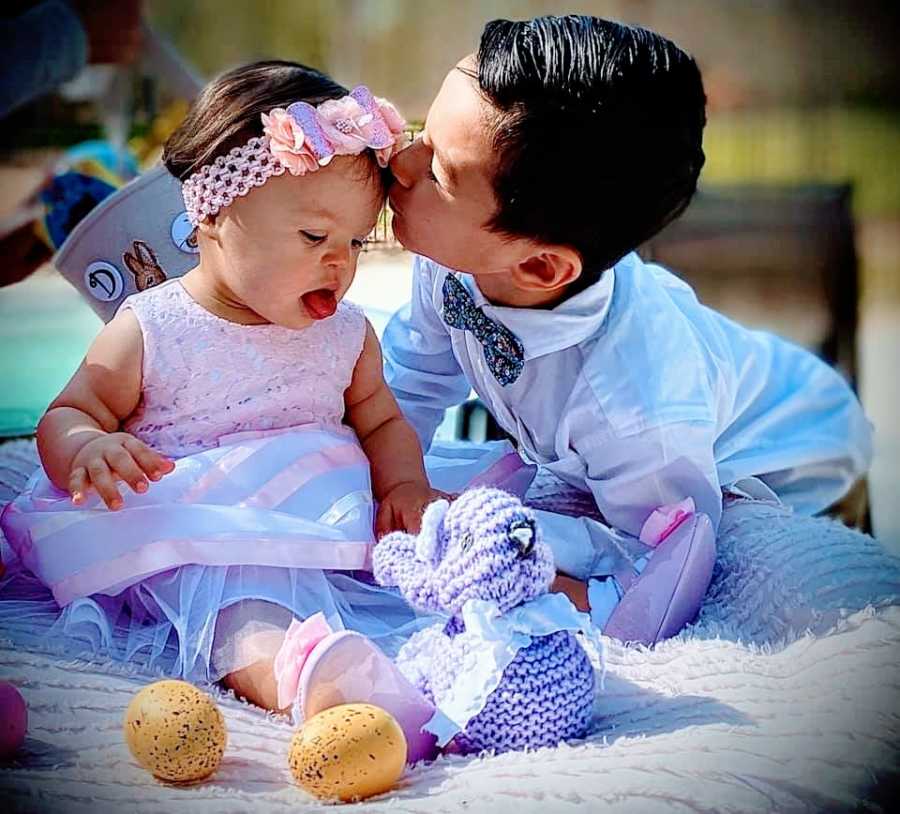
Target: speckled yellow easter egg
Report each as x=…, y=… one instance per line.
x=348, y=752
x=175, y=731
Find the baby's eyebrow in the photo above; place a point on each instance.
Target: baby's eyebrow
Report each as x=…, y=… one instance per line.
x=326, y=214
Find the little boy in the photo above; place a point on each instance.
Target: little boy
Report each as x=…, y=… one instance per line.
x=545, y=161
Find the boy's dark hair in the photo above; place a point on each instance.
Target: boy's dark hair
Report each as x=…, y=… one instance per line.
x=227, y=112
x=598, y=132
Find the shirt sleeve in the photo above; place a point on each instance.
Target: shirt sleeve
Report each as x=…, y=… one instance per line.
x=629, y=478
x=42, y=48
x=419, y=363
x=632, y=476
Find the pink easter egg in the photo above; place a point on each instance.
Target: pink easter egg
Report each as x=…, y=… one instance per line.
x=13, y=720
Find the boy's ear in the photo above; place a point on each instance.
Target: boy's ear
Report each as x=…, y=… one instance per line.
x=548, y=268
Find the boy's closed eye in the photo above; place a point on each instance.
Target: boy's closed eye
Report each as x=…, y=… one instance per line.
x=442, y=179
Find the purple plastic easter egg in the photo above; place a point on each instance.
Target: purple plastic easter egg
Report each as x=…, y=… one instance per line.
x=13, y=720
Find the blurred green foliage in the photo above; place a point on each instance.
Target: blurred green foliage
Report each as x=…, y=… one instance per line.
x=832, y=144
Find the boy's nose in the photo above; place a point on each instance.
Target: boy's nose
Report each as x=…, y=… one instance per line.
x=403, y=166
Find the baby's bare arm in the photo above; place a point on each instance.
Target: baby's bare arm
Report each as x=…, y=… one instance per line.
x=78, y=438
x=398, y=471
x=387, y=438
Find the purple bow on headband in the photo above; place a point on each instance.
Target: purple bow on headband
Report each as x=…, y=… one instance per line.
x=303, y=137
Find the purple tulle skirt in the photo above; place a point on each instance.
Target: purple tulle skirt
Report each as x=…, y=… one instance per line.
x=246, y=536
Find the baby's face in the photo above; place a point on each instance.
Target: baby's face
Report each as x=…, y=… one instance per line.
x=288, y=250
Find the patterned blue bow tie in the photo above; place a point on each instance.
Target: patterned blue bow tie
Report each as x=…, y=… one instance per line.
x=503, y=352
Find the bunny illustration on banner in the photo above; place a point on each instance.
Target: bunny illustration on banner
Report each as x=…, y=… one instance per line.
x=141, y=261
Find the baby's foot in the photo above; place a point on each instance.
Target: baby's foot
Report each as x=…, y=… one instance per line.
x=664, y=590
x=318, y=668
x=347, y=668
x=300, y=640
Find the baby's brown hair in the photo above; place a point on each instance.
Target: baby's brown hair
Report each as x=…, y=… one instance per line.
x=228, y=113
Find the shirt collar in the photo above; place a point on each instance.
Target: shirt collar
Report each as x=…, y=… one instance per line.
x=543, y=331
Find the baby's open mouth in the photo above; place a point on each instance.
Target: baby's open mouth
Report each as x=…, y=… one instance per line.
x=320, y=304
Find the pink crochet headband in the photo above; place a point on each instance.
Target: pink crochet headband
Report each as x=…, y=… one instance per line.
x=300, y=140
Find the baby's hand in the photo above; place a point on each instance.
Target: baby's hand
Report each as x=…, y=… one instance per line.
x=401, y=509
x=114, y=457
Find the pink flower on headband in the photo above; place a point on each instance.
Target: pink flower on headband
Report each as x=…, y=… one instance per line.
x=344, y=123
x=397, y=125
x=395, y=122
x=288, y=142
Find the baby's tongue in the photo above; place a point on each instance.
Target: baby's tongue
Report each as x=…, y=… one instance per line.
x=320, y=304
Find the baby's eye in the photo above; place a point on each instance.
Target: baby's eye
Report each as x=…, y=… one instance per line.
x=432, y=176
x=312, y=237
x=357, y=243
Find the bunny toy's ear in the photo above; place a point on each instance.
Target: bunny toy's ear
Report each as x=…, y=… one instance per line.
x=394, y=563
x=394, y=559
x=428, y=542
x=407, y=562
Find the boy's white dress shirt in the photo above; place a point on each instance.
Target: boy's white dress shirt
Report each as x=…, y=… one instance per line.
x=636, y=392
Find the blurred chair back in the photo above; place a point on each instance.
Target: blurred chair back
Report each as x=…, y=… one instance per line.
x=781, y=258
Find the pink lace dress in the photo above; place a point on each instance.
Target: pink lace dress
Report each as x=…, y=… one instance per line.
x=269, y=509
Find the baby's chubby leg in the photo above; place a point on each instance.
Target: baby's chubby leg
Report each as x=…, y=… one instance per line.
x=248, y=636
x=255, y=683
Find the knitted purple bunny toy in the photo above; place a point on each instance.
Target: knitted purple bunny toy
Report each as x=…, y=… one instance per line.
x=487, y=546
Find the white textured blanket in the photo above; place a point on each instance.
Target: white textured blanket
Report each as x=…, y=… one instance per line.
x=746, y=711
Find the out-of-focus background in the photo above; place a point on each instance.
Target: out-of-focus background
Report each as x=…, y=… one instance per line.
x=798, y=232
